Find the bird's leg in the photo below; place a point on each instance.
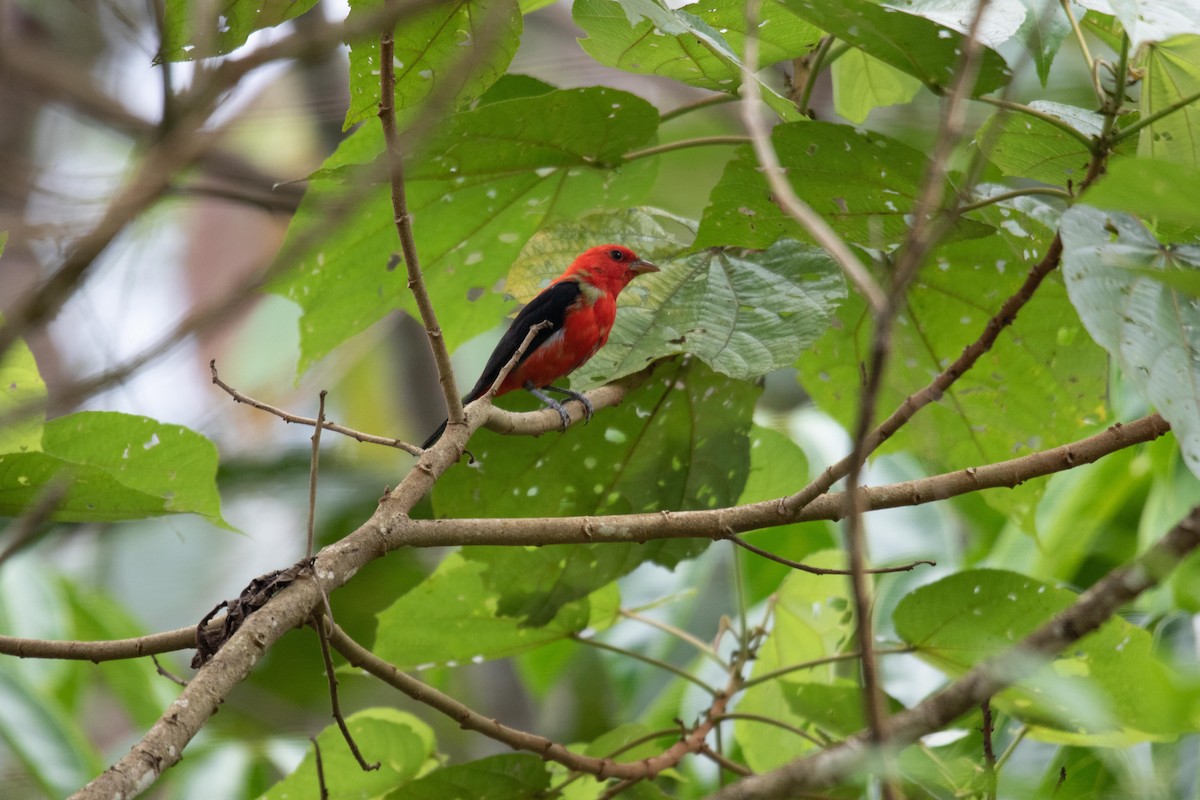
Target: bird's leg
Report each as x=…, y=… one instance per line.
x=588, y=410
x=551, y=402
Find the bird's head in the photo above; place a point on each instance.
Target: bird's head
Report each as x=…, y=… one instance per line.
x=610, y=267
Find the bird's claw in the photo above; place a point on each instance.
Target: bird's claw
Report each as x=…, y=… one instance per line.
x=588, y=409
x=564, y=416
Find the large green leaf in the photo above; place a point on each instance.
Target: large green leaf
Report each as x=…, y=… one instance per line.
x=742, y=313
x=1025, y=146
x=862, y=183
x=1162, y=193
x=21, y=392
x=679, y=442
x=1148, y=326
x=451, y=51
x=114, y=466
x=1045, y=28
x=1042, y=383
x=1172, y=76
x=452, y=617
x=402, y=745
x=512, y=776
x=195, y=29
x=921, y=47
x=1109, y=687
x=477, y=191
x=700, y=44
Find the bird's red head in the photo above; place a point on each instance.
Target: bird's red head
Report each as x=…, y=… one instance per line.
x=609, y=267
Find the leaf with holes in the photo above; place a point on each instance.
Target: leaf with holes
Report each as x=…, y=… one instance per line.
x=700, y=44
x=927, y=50
x=112, y=466
x=862, y=183
x=1148, y=326
x=453, y=617
x=1172, y=78
x=1042, y=384
x=194, y=29
x=447, y=53
x=678, y=442
x=477, y=191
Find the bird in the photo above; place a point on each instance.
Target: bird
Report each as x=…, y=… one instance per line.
x=580, y=306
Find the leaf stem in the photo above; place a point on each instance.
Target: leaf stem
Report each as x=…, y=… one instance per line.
x=683, y=144
x=687, y=108
x=1125, y=133
x=654, y=662
x=1050, y=119
x=1052, y=191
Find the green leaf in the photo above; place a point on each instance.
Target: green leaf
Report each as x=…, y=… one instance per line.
x=452, y=618
x=1152, y=330
x=1042, y=33
x=862, y=83
x=1042, y=384
x=813, y=618
x=451, y=51
x=835, y=709
x=927, y=50
x=114, y=466
x=477, y=191
x=402, y=744
x=700, y=44
x=742, y=313
x=1172, y=76
x=1108, y=687
x=1159, y=191
x=1025, y=146
x=679, y=442
x=513, y=776
x=862, y=183
x=194, y=29
x=44, y=737
x=1150, y=20
x=22, y=393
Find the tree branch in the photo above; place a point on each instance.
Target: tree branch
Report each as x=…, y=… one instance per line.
x=1093, y=608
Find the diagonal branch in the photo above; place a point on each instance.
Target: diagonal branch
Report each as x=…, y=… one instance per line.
x=1093, y=608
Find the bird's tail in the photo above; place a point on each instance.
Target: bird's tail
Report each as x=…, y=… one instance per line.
x=437, y=434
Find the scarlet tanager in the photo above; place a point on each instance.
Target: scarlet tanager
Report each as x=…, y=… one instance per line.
x=580, y=306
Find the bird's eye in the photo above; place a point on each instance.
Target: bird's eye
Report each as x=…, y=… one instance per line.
x=616, y=255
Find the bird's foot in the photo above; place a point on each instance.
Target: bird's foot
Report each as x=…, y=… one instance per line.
x=552, y=403
x=588, y=409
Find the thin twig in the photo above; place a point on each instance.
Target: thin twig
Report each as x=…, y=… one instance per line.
x=989, y=753
x=292, y=418
x=767, y=677
x=785, y=196
x=684, y=144
x=100, y=650
x=318, y=623
x=645, y=659
x=687, y=108
x=320, y=768
x=1150, y=119
x=1081, y=40
x=1052, y=191
x=725, y=763
x=173, y=678
x=765, y=720
x=787, y=562
x=403, y=220
x=312, y=474
x=679, y=633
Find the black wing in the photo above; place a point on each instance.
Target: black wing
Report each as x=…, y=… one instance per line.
x=549, y=306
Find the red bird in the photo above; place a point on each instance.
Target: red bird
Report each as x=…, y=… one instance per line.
x=580, y=306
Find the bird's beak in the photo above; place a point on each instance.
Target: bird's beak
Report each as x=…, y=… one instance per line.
x=642, y=266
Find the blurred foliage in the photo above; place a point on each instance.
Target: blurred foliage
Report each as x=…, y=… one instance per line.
x=509, y=175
